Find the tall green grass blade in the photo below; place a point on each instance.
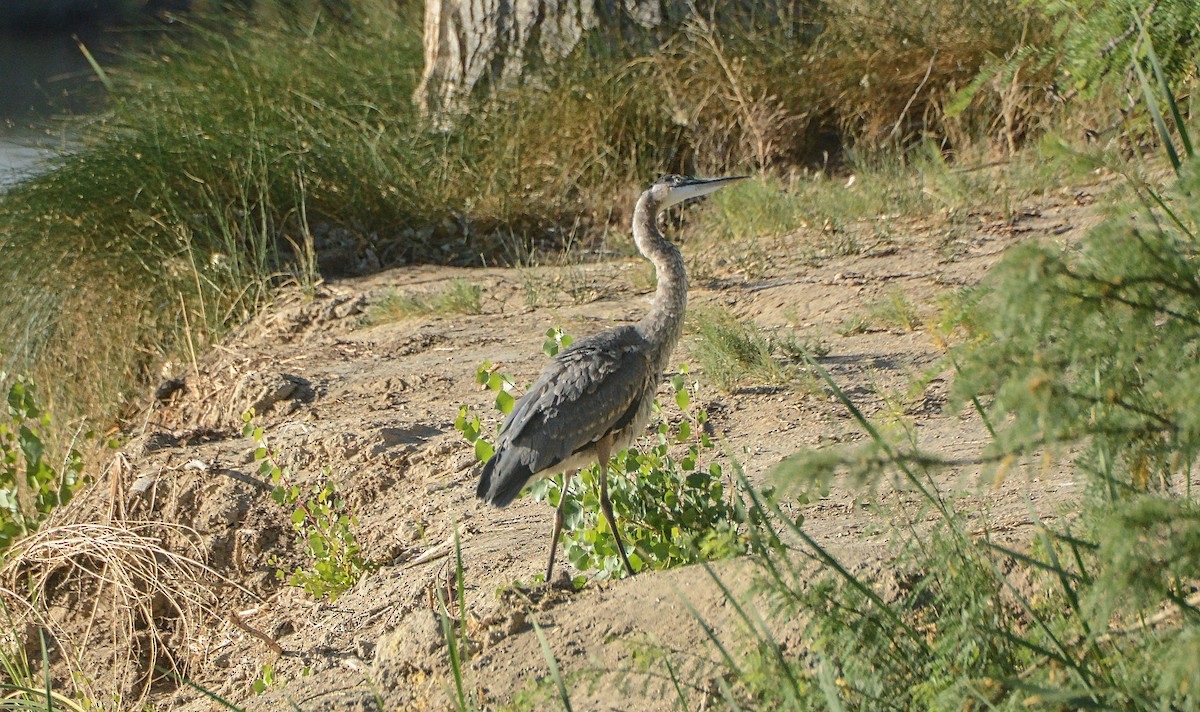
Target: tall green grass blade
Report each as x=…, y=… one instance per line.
x=462, y=593
x=1033, y=647
x=679, y=694
x=30, y=699
x=46, y=668
x=1026, y=559
x=95, y=65
x=930, y=496
x=552, y=663
x=829, y=560
x=452, y=650
x=987, y=422
x=1165, y=85
x=1066, y=582
x=712, y=635
x=759, y=629
x=1062, y=652
x=1157, y=118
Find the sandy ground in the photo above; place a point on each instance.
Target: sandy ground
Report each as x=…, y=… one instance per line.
x=376, y=405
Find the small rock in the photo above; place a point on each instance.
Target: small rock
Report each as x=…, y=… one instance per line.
x=364, y=649
x=417, y=637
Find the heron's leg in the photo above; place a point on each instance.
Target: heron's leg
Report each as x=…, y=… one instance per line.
x=602, y=451
x=558, y=520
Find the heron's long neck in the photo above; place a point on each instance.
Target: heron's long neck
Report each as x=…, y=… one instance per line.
x=664, y=324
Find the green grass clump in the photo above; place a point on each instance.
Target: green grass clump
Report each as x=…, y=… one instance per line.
x=1096, y=344
x=460, y=296
x=193, y=196
x=732, y=353
x=894, y=311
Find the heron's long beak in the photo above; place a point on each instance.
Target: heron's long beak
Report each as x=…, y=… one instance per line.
x=697, y=187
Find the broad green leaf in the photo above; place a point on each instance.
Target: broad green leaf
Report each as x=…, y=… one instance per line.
x=504, y=402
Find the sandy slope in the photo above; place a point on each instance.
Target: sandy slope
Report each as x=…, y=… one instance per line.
x=377, y=404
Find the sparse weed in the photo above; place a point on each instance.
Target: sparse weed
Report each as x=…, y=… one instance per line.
x=460, y=296
x=958, y=316
x=322, y=523
x=854, y=324
x=533, y=288
x=732, y=354
x=894, y=311
x=575, y=283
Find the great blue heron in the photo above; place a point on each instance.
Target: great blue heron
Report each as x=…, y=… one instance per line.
x=595, y=397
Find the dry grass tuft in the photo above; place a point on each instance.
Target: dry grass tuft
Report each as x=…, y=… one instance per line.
x=142, y=601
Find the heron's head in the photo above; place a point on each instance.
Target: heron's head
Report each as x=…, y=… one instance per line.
x=674, y=189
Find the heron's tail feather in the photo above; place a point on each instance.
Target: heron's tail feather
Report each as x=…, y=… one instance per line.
x=502, y=479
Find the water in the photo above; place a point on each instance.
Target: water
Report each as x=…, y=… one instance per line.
x=44, y=78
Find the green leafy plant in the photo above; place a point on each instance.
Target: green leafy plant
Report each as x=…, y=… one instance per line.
x=30, y=485
x=673, y=499
x=1098, y=40
x=321, y=520
x=265, y=680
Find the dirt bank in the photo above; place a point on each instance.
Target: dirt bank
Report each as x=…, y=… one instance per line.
x=376, y=405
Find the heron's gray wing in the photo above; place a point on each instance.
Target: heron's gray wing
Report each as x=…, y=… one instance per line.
x=586, y=392
x=580, y=396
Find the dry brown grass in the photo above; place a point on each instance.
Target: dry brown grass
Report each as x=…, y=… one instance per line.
x=893, y=75
x=113, y=598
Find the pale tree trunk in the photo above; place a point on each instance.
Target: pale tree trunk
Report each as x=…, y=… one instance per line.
x=473, y=43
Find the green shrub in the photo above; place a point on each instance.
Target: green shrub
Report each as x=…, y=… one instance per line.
x=1097, y=344
x=1099, y=40
x=1093, y=346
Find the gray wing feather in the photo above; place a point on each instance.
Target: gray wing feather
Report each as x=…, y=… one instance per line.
x=579, y=397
